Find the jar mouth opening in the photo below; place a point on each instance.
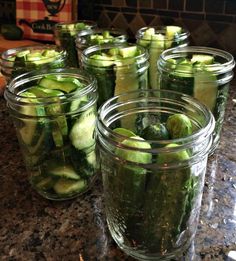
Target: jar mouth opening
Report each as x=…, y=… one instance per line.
x=86, y=54
x=10, y=54
x=224, y=60
x=118, y=36
x=161, y=30
x=13, y=94
x=110, y=106
x=62, y=25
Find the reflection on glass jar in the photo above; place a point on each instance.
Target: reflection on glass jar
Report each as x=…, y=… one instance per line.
x=118, y=68
x=65, y=36
x=152, y=183
x=201, y=72
x=157, y=39
x=54, y=114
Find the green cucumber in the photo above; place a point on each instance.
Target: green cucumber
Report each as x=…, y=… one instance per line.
x=66, y=187
x=99, y=60
x=126, y=80
x=30, y=127
x=202, y=58
x=155, y=49
x=205, y=88
x=42, y=92
x=128, y=52
x=66, y=172
x=82, y=132
x=50, y=83
x=171, y=32
x=44, y=183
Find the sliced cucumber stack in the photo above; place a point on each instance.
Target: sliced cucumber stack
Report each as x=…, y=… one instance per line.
x=193, y=75
x=54, y=131
x=156, y=41
x=117, y=69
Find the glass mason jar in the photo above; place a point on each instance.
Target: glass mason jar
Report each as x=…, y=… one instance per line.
x=204, y=73
x=65, y=35
x=52, y=110
x=156, y=40
x=16, y=61
x=118, y=68
x=152, y=188
x=98, y=36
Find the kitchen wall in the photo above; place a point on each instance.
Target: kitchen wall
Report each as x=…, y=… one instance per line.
x=210, y=22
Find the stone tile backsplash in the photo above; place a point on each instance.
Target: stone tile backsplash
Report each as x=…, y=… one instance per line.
x=210, y=22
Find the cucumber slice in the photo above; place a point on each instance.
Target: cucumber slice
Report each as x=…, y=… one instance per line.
x=65, y=86
x=82, y=132
x=59, y=125
x=42, y=92
x=127, y=79
x=205, y=88
x=66, y=186
x=128, y=52
x=149, y=33
x=29, y=130
x=124, y=132
x=66, y=172
x=91, y=159
x=22, y=54
x=171, y=31
x=34, y=56
x=202, y=58
x=49, y=53
x=45, y=183
x=155, y=49
x=101, y=60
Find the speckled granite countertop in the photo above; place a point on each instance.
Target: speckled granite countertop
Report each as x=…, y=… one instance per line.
x=32, y=228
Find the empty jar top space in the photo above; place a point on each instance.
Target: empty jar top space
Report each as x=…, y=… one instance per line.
x=134, y=110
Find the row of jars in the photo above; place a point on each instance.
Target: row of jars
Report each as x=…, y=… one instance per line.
x=72, y=123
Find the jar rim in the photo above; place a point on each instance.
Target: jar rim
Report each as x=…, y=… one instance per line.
x=165, y=62
x=91, y=87
x=89, y=31
x=90, y=50
x=160, y=29
x=82, y=41
x=6, y=55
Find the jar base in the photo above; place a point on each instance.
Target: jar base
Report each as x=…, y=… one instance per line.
x=153, y=257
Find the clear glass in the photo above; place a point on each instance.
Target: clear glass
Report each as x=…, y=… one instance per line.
x=65, y=35
x=157, y=43
x=87, y=38
x=116, y=74
x=59, y=157
x=209, y=83
x=16, y=61
x=152, y=207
